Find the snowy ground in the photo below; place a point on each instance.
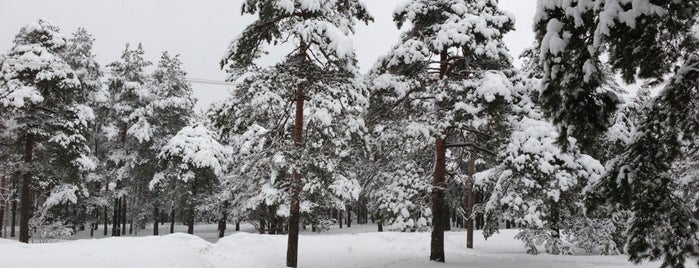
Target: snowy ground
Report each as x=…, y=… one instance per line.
x=358, y=246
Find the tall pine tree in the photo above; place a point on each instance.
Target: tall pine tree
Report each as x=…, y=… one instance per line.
x=446, y=78
x=126, y=130
x=48, y=105
x=642, y=40
x=317, y=79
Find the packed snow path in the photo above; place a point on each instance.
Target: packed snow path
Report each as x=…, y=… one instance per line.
x=387, y=249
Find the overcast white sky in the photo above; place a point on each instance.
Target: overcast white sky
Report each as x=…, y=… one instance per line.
x=201, y=30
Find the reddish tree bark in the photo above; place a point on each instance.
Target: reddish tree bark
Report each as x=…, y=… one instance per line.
x=437, y=239
x=438, y=184
x=295, y=214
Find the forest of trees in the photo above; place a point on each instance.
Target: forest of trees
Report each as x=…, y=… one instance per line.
x=591, y=144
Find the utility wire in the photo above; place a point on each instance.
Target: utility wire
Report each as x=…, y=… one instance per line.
x=191, y=80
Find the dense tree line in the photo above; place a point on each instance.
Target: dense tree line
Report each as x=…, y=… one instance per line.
x=443, y=131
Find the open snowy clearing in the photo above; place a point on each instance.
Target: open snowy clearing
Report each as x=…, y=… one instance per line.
x=387, y=249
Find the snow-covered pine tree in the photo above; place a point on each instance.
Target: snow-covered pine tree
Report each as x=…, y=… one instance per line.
x=396, y=178
x=79, y=56
x=643, y=40
x=171, y=109
x=663, y=224
x=129, y=95
x=571, y=95
x=445, y=78
x=318, y=79
x=538, y=185
x=196, y=160
x=47, y=103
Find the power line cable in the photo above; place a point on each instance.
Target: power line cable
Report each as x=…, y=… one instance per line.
x=191, y=80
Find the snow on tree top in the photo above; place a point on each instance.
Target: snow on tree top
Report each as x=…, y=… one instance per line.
x=197, y=146
x=35, y=51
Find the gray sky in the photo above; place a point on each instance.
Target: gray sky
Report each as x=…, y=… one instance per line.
x=201, y=30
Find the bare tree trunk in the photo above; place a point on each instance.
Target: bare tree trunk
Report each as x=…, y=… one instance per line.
x=294, y=211
x=25, y=197
x=471, y=198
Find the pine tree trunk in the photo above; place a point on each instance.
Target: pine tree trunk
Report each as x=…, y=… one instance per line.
x=380, y=227
x=3, y=184
x=172, y=219
x=280, y=226
x=192, y=205
x=96, y=225
x=237, y=226
x=123, y=215
x=294, y=211
x=115, y=217
x=13, y=212
x=263, y=225
x=446, y=217
x=271, y=211
x=104, y=212
x=349, y=216
x=340, y=218
x=157, y=217
x=471, y=198
x=437, y=239
x=438, y=184
x=222, y=227
x=106, y=221
x=25, y=197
